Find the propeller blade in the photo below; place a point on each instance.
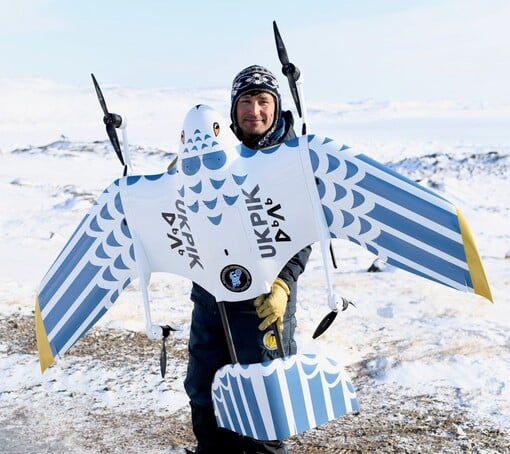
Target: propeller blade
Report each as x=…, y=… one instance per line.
x=100, y=96
x=280, y=47
x=288, y=69
x=162, y=358
x=332, y=253
x=330, y=318
x=166, y=329
x=111, y=121
x=114, y=139
x=324, y=324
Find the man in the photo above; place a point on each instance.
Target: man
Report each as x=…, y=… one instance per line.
x=258, y=121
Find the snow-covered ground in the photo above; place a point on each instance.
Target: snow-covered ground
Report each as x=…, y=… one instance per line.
x=413, y=334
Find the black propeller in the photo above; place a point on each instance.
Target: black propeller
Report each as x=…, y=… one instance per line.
x=112, y=121
x=328, y=319
x=290, y=70
x=162, y=357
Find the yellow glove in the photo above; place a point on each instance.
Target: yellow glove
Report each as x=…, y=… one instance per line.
x=271, y=307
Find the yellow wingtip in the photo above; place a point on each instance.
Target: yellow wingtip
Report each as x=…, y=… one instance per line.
x=46, y=358
x=474, y=261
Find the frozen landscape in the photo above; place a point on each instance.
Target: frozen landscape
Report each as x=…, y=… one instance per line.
x=430, y=364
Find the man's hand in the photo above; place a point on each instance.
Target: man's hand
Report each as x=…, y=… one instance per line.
x=271, y=307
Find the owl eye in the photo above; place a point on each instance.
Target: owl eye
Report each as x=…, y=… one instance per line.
x=183, y=137
x=216, y=128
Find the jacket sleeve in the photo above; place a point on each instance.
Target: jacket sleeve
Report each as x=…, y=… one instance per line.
x=295, y=266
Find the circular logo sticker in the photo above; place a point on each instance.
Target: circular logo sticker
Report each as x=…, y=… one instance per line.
x=235, y=278
x=269, y=340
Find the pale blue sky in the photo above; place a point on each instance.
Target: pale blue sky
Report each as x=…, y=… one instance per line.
x=348, y=50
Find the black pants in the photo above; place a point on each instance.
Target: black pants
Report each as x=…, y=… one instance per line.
x=213, y=439
x=208, y=352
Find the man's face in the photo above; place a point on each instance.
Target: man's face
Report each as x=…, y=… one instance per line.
x=255, y=113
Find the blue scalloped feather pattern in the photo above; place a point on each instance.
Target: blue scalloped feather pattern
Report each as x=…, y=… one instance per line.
x=94, y=267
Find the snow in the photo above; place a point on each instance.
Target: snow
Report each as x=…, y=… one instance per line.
x=416, y=335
